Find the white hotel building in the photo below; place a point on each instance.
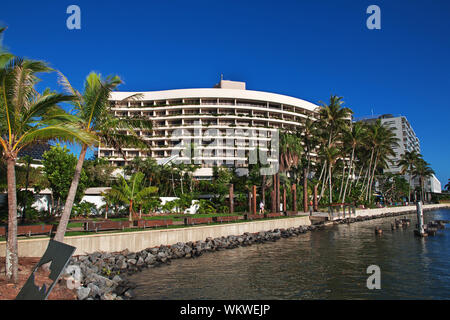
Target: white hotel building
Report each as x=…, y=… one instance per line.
x=246, y=119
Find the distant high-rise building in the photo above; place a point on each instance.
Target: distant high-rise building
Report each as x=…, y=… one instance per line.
x=406, y=136
x=407, y=141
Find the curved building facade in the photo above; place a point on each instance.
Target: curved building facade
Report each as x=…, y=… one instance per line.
x=224, y=125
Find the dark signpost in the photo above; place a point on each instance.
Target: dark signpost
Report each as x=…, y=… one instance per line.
x=58, y=255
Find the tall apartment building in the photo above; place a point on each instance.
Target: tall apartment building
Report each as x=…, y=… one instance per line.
x=408, y=141
x=187, y=119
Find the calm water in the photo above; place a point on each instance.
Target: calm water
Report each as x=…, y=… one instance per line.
x=326, y=264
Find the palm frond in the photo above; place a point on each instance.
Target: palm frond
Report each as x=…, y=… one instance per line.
x=146, y=193
x=63, y=132
x=64, y=82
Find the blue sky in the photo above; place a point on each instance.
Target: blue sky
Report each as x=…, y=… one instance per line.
x=307, y=49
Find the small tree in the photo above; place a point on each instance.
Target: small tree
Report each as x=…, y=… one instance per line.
x=59, y=168
x=132, y=192
x=152, y=204
x=221, y=181
x=98, y=172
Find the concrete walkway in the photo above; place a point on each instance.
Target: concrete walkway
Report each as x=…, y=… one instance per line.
x=378, y=211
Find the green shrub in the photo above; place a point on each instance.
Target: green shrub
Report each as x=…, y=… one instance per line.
x=205, y=207
x=84, y=209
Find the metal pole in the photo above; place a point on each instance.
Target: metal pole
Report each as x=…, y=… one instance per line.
x=420, y=217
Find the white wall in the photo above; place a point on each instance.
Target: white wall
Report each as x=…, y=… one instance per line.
x=43, y=201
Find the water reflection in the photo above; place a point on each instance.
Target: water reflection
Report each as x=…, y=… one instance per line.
x=327, y=264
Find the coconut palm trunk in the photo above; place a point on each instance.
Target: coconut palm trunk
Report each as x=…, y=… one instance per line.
x=305, y=190
x=363, y=183
x=348, y=175
x=358, y=178
x=322, y=190
x=342, y=181
x=62, y=226
x=353, y=181
x=27, y=181
x=373, y=176
x=263, y=189
x=12, y=259
x=329, y=183
x=409, y=187
x=130, y=217
x=368, y=174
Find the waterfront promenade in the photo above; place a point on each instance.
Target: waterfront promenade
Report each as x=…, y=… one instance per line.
x=139, y=240
x=378, y=211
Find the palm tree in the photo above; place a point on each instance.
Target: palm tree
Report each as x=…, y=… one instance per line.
x=422, y=170
x=331, y=154
x=354, y=138
x=406, y=164
x=381, y=140
x=94, y=111
x=291, y=149
x=385, y=143
x=333, y=117
x=108, y=201
x=307, y=135
x=133, y=192
x=332, y=120
x=372, y=140
x=27, y=117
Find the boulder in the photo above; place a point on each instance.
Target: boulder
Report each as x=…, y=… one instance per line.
x=150, y=259
x=121, y=264
x=108, y=296
x=95, y=290
x=140, y=262
x=129, y=294
x=83, y=293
